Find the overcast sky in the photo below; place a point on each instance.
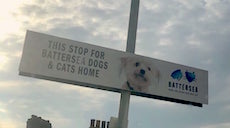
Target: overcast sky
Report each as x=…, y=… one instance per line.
x=193, y=33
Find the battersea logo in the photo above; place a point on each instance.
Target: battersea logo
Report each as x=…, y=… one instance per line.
x=183, y=82
x=189, y=76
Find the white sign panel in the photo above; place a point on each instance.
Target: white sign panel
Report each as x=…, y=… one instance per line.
x=73, y=62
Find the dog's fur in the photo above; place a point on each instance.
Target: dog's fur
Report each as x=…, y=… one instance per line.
x=139, y=74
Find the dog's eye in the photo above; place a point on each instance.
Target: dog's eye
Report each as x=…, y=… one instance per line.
x=149, y=68
x=137, y=64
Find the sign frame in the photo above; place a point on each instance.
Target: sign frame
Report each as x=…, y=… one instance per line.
x=99, y=86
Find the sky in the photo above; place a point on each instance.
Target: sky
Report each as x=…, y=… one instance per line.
x=193, y=33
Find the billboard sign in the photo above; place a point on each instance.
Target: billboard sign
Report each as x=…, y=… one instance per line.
x=63, y=60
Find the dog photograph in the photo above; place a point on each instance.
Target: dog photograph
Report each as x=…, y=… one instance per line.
x=139, y=74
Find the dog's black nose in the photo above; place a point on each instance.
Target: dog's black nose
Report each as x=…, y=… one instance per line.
x=142, y=71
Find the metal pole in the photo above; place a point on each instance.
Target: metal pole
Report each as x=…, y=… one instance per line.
x=130, y=47
x=133, y=20
x=124, y=110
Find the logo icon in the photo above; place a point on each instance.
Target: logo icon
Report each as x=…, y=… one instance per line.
x=190, y=76
x=177, y=74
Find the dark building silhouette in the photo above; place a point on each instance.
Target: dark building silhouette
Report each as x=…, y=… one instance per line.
x=99, y=124
x=38, y=122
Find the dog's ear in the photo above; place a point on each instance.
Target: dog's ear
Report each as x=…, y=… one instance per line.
x=123, y=64
x=157, y=75
x=124, y=61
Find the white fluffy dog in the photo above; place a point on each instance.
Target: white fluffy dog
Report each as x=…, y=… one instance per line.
x=139, y=74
